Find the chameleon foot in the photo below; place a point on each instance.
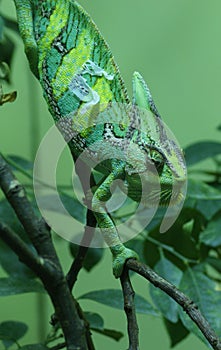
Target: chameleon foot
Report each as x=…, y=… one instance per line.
x=119, y=259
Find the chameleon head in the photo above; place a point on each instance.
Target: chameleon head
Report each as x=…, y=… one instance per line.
x=152, y=182
x=152, y=179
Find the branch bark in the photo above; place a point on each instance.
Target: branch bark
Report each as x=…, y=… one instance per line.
x=129, y=308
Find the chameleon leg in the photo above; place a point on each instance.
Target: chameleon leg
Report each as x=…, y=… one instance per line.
x=119, y=252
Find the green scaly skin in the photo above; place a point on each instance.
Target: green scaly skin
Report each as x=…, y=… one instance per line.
x=77, y=72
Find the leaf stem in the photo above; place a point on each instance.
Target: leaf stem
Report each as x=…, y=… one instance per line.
x=171, y=250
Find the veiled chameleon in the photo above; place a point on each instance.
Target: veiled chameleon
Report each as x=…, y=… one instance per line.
x=88, y=99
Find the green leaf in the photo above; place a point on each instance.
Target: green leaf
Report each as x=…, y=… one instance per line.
x=177, y=332
x=1, y=27
x=8, y=259
x=72, y=205
x=75, y=208
x=114, y=298
x=97, y=324
x=138, y=246
x=203, y=198
x=111, y=333
x=205, y=293
x=34, y=347
x=178, y=243
x=201, y=191
x=163, y=302
x=12, y=265
x=214, y=262
x=12, y=286
x=92, y=258
x=8, y=216
x=21, y=162
x=199, y=151
x=211, y=235
x=95, y=320
x=11, y=331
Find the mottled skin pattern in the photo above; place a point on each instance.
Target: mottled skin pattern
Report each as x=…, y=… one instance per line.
x=78, y=75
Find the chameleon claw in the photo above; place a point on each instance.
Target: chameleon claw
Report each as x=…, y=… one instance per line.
x=119, y=260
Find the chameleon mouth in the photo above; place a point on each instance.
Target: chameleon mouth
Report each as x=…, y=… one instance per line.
x=173, y=193
x=170, y=197
x=165, y=195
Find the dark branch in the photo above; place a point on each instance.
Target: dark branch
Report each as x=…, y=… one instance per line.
x=187, y=304
x=129, y=307
x=49, y=270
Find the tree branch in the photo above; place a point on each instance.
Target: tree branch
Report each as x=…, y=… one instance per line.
x=49, y=270
x=187, y=304
x=129, y=307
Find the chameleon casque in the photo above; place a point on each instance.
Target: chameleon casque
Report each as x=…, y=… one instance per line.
x=88, y=99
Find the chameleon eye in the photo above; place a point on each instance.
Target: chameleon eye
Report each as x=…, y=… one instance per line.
x=157, y=159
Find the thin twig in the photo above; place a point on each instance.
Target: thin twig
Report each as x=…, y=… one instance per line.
x=187, y=304
x=129, y=307
x=58, y=346
x=171, y=250
x=82, y=251
x=49, y=271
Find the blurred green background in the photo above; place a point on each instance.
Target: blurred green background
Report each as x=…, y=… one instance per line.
x=176, y=46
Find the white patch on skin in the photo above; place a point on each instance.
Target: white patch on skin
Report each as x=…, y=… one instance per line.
x=84, y=92
x=94, y=70
x=80, y=88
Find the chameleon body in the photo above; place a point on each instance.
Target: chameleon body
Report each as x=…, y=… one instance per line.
x=79, y=76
